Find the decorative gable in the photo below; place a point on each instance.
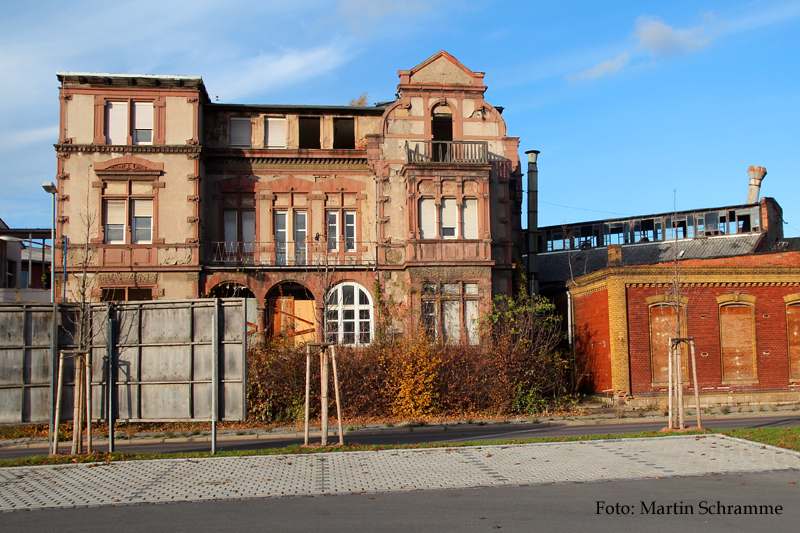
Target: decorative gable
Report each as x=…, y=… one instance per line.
x=442, y=69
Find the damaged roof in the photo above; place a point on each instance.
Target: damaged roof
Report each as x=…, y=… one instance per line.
x=568, y=264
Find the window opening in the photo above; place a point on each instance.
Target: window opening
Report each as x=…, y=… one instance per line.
x=281, y=236
x=441, y=130
x=344, y=133
x=469, y=218
x=300, y=233
x=736, y=339
x=450, y=311
x=427, y=218
x=793, y=330
x=309, y=132
x=449, y=218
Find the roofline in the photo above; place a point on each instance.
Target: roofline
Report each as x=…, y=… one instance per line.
x=669, y=214
x=61, y=74
x=349, y=108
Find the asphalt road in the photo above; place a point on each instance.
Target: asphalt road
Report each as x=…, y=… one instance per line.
x=422, y=435
x=559, y=507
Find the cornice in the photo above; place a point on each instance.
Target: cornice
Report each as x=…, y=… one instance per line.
x=121, y=149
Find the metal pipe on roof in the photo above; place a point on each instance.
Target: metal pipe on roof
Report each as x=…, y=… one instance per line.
x=532, y=270
x=756, y=176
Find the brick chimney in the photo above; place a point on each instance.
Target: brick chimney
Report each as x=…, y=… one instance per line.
x=756, y=175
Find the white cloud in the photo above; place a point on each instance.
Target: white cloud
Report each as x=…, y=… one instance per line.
x=659, y=38
x=266, y=72
x=605, y=68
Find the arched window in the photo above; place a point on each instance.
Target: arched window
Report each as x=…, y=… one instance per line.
x=349, y=315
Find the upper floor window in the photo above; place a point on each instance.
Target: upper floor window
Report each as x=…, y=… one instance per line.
x=309, y=132
x=451, y=221
x=240, y=132
x=344, y=133
x=127, y=216
x=275, y=132
x=126, y=124
x=341, y=229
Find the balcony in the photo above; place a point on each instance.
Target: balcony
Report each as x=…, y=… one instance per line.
x=474, y=152
x=314, y=254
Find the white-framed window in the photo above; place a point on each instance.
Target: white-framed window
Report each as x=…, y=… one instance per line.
x=450, y=309
x=448, y=217
x=427, y=218
x=450, y=221
x=469, y=218
x=123, y=216
x=300, y=234
x=240, y=132
x=281, y=236
x=275, y=132
x=123, y=127
x=349, y=315
x=341, y=227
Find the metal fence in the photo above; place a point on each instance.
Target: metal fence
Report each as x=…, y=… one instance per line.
x=168, y=360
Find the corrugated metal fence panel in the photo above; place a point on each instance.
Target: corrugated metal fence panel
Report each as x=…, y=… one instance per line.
x=162, y=351
x=25, y=363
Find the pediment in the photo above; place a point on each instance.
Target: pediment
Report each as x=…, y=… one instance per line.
x=444, y=69
x=129, y=164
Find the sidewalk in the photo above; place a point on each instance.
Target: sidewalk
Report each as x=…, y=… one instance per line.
x=229, y=435
x=134, y=482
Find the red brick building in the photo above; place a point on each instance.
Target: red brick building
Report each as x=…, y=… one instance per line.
x=738, y=294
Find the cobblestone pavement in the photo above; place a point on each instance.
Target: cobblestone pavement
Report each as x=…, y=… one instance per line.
x=132, y=482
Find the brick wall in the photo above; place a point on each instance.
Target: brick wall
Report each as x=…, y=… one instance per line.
x=592, y=341
x=772, y=359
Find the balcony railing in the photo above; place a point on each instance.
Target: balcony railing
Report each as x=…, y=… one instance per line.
x=447, y=152
x=289, y=254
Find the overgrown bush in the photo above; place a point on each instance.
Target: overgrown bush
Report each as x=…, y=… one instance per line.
x=517, y=369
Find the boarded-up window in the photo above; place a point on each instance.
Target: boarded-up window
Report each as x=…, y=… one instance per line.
x=736, y=339
x=663, y=326
x=793, y=324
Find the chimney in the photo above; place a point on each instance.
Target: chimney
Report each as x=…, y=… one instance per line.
x=756, y=175
x=533, y=222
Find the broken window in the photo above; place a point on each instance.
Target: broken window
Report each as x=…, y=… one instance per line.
x=309, y=135
x=737, y=342
x=441, y=130
x=450, y=311
x=344, y=133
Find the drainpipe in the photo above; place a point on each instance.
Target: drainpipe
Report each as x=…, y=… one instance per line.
x=756, y=175
x=532, y=271
x=569, y=339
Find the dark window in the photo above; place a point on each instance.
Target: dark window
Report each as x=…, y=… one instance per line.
x=309, y=132
x=126, y=294
x=344, y=133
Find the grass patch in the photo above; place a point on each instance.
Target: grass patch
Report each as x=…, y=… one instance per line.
x=781, y=437
x=296, y=449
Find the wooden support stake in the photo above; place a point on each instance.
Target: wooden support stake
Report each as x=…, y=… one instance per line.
x=323, y=373
x=669, y=386
x=77, y=402
x=338, y=397
x=88, y=404
x=59, y=392
x=696, y=387
x=308, y=392
x=679, y=366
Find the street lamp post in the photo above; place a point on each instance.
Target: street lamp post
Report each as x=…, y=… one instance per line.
x=51, y=188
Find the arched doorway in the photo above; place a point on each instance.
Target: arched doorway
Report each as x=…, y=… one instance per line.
x=292, y=312
x=230, y=289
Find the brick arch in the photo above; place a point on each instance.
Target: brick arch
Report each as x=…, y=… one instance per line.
x=736, y=298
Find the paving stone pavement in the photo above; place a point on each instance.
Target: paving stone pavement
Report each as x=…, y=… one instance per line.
x=132, y=482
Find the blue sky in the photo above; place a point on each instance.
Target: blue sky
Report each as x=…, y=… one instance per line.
x=636, y=106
